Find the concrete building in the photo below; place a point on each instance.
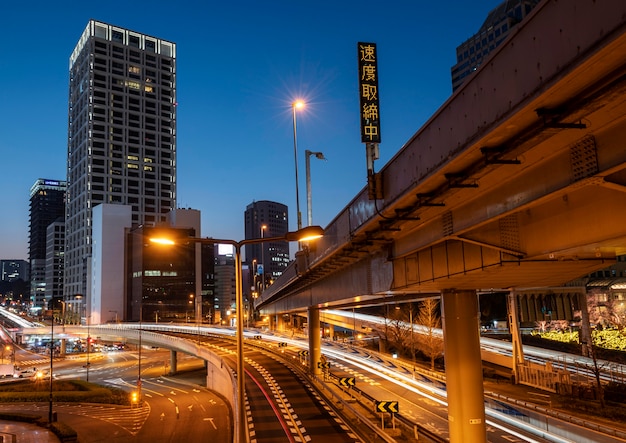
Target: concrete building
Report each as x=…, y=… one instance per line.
x=266, y=261
x=55, y=252
x=47, y=205
x=121, y=138
x=169, y=283
x=495, y=29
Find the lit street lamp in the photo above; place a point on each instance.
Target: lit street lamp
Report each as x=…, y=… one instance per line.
x=298, y=104
x=309, y=208
x=262, y=288
x=304, y=234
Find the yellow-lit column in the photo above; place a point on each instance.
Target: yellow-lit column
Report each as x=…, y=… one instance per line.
x=173, y=362
x=331, y=331
x=464, y=373
x=280, y=323
x=315, y=342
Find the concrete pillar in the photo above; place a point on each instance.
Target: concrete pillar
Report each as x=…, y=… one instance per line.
x=63, y=347
x=173, y=362
x=464, y=374
x=280, y=323
x=315, y=342
x=331, y=331
x=516, y=336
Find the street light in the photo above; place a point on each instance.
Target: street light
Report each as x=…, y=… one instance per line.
x=309, y=208
x=263, y=228
x=305, y=234
x=298, y=104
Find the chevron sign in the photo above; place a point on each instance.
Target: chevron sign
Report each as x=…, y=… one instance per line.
x=303, y=353
x=347, y=381
x=387, y=406
x=321, y=365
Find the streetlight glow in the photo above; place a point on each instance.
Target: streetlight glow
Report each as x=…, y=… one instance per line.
x=304, y=234
x=298, y=104
x=162, y=241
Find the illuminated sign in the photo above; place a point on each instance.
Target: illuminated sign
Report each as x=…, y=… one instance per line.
x=368, y=92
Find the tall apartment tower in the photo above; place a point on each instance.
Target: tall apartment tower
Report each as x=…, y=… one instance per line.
x=121, y=136
x=47, y=205
x=274, y=256
x=495, y=29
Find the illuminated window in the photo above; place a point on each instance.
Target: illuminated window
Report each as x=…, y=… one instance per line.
x=132, y=166
x=152, y=273
x=149, y=88
x=134, y=69
x=133, y=157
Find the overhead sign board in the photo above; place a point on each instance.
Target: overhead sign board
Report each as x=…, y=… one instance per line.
x=368, y=92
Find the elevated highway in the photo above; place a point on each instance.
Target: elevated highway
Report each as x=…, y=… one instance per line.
x=517, y=181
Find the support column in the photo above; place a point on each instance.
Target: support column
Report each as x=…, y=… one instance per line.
x=464, y=373
x=315, y=342
x=173, y=362
x=280, y=323
x=516, y=337
x=331, y=331
x=63, y=348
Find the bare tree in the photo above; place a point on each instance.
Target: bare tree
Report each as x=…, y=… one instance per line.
x=430, y=341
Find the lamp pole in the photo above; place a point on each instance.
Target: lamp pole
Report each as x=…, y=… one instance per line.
x=309, y=208
x=295, y=106
x=51, y=357
x=305, y=234
x=263, y=228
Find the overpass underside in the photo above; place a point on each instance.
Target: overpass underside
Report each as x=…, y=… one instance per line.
x=517, y=181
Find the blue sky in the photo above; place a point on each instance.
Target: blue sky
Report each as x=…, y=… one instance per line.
x=240, y=65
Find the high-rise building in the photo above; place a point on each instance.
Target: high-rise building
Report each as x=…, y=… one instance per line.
x=55, y=264
x=121, y=137
x=495, y=29
x=267, y=260
x=47, y=205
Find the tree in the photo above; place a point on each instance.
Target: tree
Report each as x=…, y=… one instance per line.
x=429, y=340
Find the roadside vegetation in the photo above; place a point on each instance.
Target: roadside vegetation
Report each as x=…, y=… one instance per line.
x=26, y=390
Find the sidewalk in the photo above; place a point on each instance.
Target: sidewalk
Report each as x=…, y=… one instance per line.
x=17, y=432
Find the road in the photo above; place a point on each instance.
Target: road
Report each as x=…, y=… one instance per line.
x=175, y=408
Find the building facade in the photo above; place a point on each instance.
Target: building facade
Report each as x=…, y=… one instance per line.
x=173, y=283
x=121, y=137
x=495, y=29
x=47, y=205
x=267, y=261
x=55, y=252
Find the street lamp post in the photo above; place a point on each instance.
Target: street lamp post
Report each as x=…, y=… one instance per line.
x=309, y=206
x=298, y=104
x=305, y=234
x=262, y=288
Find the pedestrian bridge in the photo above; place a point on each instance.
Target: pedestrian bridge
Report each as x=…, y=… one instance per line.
x=516, y=182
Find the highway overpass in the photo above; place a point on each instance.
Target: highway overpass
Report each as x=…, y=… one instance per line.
x=516, y=182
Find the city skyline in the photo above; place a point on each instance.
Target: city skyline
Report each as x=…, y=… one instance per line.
x=238, y=73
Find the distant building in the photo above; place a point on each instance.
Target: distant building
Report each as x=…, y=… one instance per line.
x=121, y=138
x=47, y=205
x=225, y=287
x=168, y=283
x=13, y=270
x=496, y=28
x=266, y=261
x=55, y=252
